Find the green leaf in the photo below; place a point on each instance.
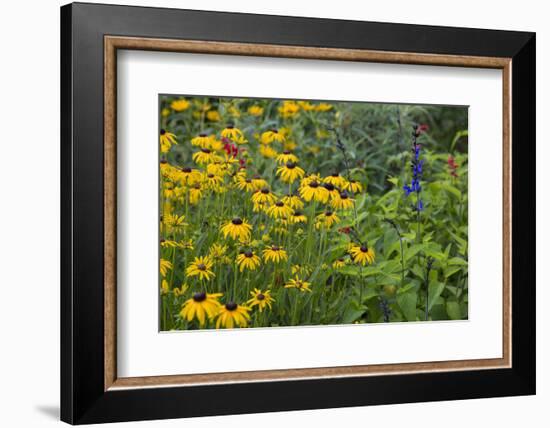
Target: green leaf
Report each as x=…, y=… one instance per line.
x=434, y=291
x=353, y=312
x=457, y=261
x=407, y=303
x=453, y=309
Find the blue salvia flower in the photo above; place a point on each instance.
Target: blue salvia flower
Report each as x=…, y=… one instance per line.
x=416, y=167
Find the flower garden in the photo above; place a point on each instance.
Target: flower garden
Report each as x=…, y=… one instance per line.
x=287, y=213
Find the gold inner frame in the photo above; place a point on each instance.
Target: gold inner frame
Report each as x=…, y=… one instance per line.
x=113, y=43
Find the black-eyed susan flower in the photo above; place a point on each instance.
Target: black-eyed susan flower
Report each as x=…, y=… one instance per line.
x=195, y=193
x=260, y=298
x=189, y=176
x=274, y=254
x=332, y=190
x=232, y=314
x=271, y=135
x=165, y=266
x=297, y=217
x=164, y=287
x=306, y=105
x=259, y=182
x=167, y=139
x=165, y=112
x=339, y=263
x=353, y=186
x=290, y=172
x=289, y=109
x=293, y=201
x=362, y=254
x=244, y=183
x=180, y=291
x=298, y=284
x=234, y=134
x=248, y=260
x=213, y=116
x=342, y=201
x=213, y=182
x=299, y=269
x=279, y=210
x=237, y=228
x=202, y=140
x=322, y=107
x=313, y=190
x=205, y=156
x=201, y=306
x=264, y=196
x=327, y=219
x=268, y=152
x=201, y=267
x=255, y=110
x=336, y=179
x=286, y=156
x=180, y=105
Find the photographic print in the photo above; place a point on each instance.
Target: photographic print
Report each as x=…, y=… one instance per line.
x=282, y=212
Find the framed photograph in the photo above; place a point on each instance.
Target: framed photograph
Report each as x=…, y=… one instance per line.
x=273, y=213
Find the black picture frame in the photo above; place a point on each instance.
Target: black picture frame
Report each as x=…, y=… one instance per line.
x=83, y=398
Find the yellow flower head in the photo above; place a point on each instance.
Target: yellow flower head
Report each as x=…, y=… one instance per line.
x=342, y=201
x=286, y=156
x=274, y=254
x=205, y=156
x=290, y=172
x=293, y=201
x=268, y=152
x=201, y=306
x=203, y=141
x=335, y=179
x=248, y=260
x=260, y=298
x=218, y=252
x=244, y=183
x=201, y=267
x=213, y=182
x=180, y=105
x=232, y=314
x=289, y=109
x=234, y=134
x=323, y=107
x=353, y=186
x=188, y=176
x=195, y=194
x=213, y=116
x=279, y=210
x=326, y=220
x=165, y=266
x=255, y=110
x=237, y=228
x=166, y=140
x=339, y=263
x=311, y=189
x=298, y=284
x=272, y=135
x=306, y=105
x=264, y=196
x=297, y=217
x=362, y=254
x=259, y=182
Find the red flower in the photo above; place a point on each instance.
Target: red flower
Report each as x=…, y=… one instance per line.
x=346, y=230
x=452, y=166
x=231, y=149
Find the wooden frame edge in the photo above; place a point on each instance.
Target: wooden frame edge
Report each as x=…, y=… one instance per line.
x=112, y=43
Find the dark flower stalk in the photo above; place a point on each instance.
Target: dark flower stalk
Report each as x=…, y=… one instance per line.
x=429, y=264
x=386, y=310
x=417, y=171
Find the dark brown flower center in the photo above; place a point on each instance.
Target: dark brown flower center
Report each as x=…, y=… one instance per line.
x=335, y=174
x=210, y=175
x=231, y=306
x=290, y=165
x=230, y=126
x=297, y=213
x=260, y=296
x=237, y=221
x=248, y=180
x=205, y=150
x=364, y=249
x=286, y=152
x=162, y=132
x=201, y=266
x=275, y=248
x=162, y=240
x=329, y=186
x=256, y=176
x=248, y=254
x=275, y=131
x=163, y=161
x=265, y=191
x=199, y=297
x=343, y=195
x=328, y=213
x=314, y=184
x=202, y=134
x=187, y=170
x=279, y=204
